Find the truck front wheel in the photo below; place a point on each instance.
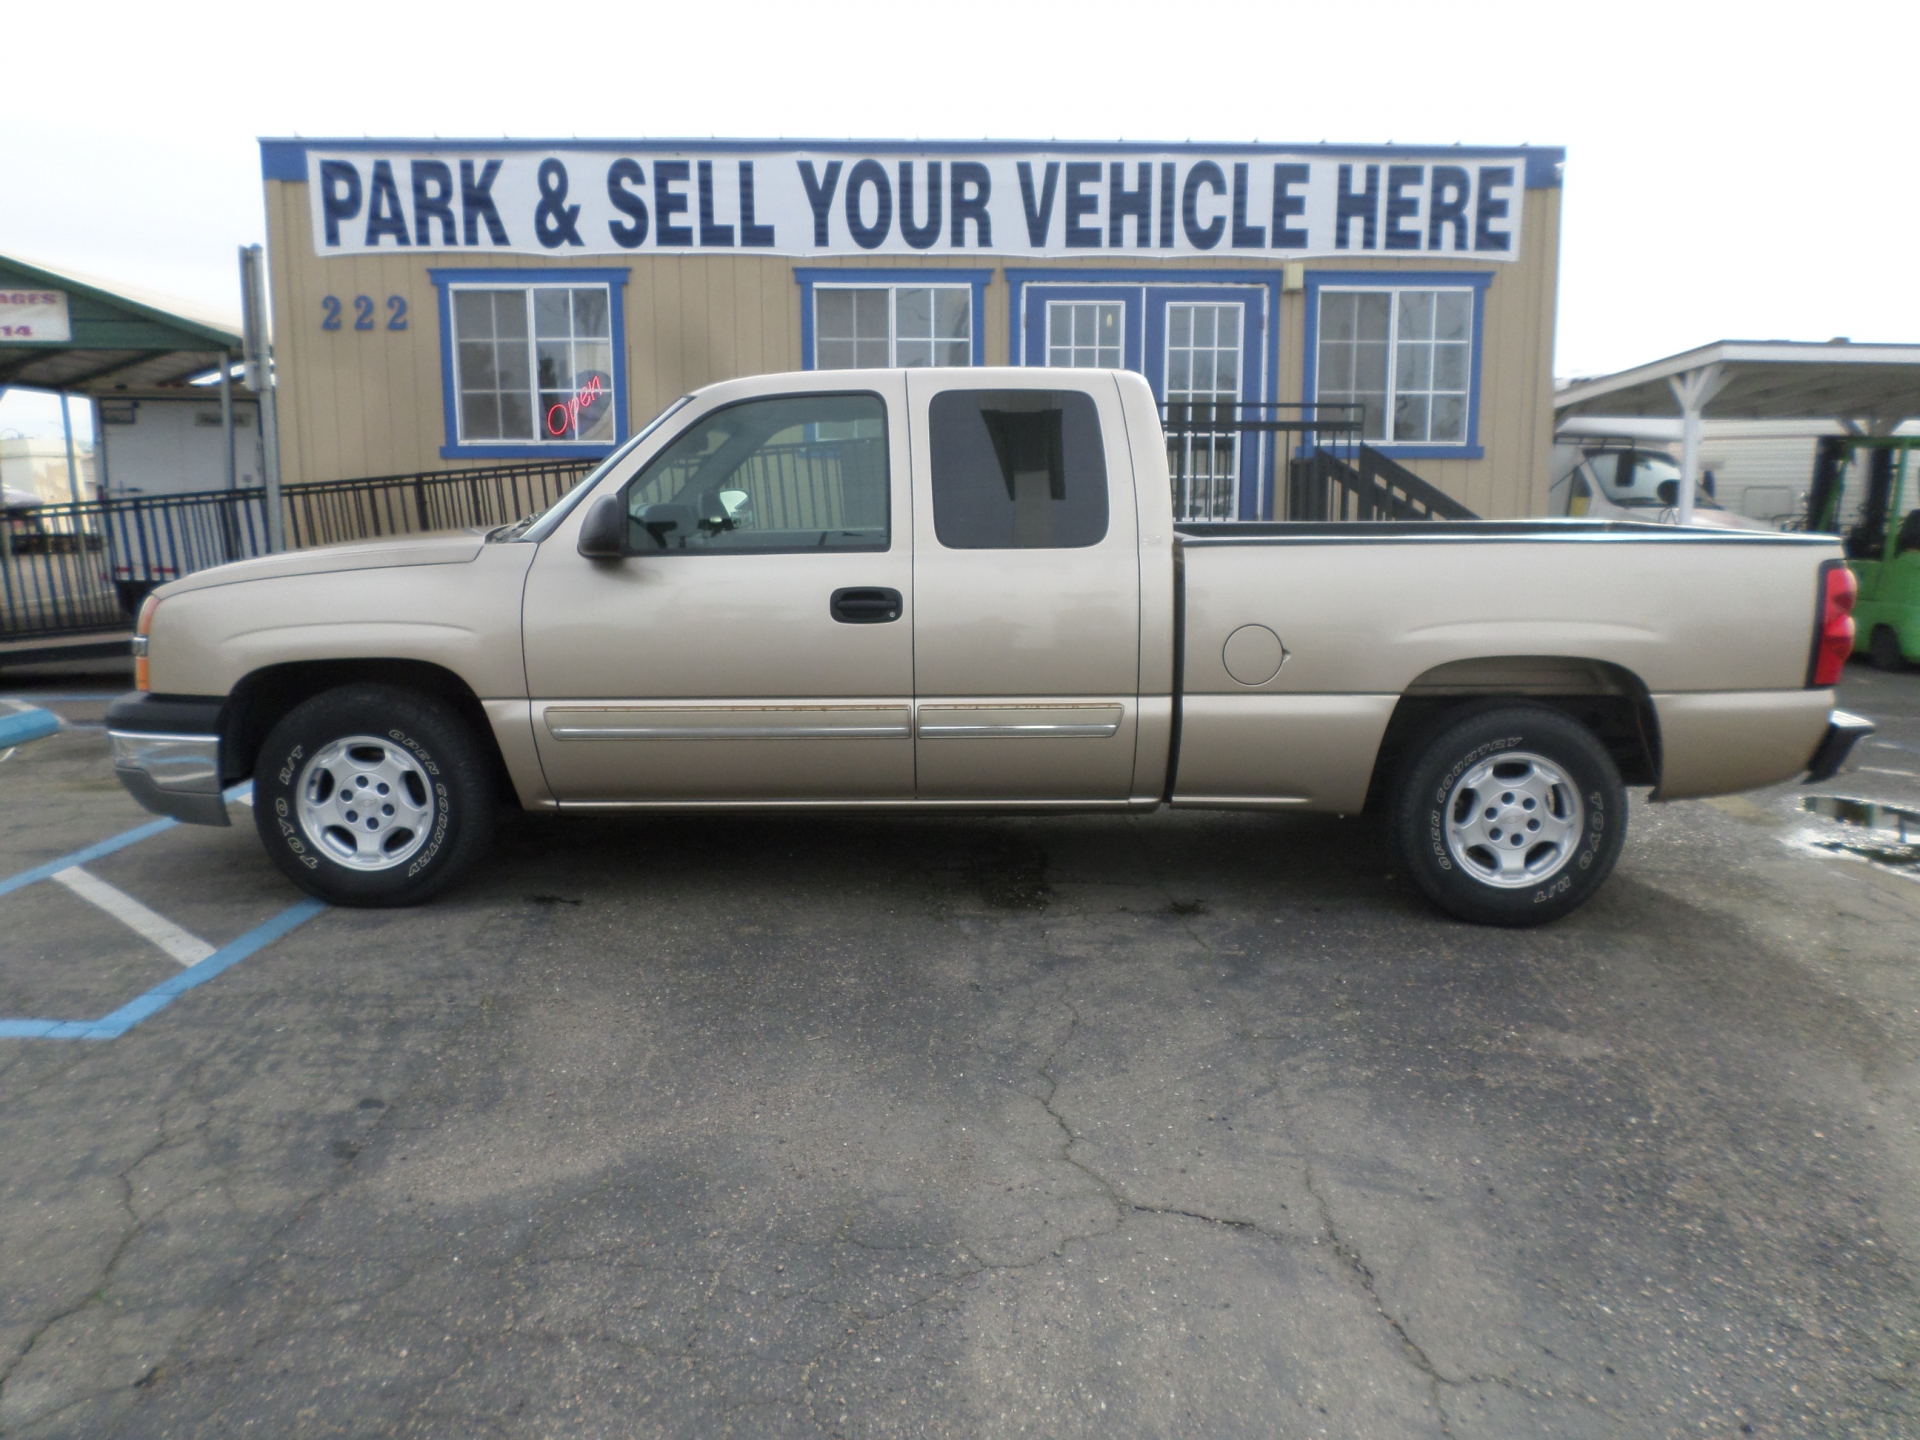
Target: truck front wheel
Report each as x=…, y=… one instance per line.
x=1511, y=816
x=370, y=796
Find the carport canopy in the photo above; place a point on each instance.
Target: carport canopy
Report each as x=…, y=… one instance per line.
x=1867, y=388
x=116, y=342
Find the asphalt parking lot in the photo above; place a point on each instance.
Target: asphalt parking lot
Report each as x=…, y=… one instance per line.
x=1191, y=1125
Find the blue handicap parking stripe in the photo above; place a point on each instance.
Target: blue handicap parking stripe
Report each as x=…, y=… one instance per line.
x=118, y=1022
x=20, y=726
x=105, y=847
x=81, y=857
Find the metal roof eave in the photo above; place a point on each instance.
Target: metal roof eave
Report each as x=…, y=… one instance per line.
x=204, y=336
x=1768, y=380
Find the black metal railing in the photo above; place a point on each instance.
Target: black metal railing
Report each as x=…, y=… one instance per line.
x=381, y=505
x=69, y=569
x=1223, y=456
x=1324, y=484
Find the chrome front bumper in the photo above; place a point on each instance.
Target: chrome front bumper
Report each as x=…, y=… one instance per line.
x=1835, y=751
x=177, y=775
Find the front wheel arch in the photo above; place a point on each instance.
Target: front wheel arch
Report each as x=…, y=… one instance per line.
x=265, y=696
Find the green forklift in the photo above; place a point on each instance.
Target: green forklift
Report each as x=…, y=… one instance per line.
x=1883, y=544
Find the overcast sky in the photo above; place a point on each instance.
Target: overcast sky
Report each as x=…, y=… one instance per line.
x=1733, y=171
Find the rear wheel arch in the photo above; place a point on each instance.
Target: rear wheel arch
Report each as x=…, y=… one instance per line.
x=1608, y=699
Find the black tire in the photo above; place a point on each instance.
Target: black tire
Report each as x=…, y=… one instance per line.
x=431, y=754
x=1588, y=807
x=1883, y=648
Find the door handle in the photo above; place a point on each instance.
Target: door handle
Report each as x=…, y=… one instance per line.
x=864, y=605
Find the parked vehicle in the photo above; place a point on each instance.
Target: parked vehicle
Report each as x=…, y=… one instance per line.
x=932, y=590
x=1599, y=479
x=1882, y=543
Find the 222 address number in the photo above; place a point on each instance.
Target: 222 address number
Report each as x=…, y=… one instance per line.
x=363, y=312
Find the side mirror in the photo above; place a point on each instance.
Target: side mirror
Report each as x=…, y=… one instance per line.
x=1669, y=492
x=603, y=534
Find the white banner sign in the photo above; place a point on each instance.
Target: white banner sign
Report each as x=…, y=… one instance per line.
x=1037, y=204
x=30, y=315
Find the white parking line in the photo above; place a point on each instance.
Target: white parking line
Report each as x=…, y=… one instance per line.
x=187, y=949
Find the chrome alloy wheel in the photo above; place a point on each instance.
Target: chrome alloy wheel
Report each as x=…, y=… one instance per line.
x=1514, y=820
x=365, y=803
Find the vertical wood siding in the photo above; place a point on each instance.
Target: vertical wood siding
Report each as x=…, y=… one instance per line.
x=356, y=403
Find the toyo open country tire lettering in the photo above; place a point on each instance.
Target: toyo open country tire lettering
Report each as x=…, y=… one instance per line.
x=370, y=795
x=1511, y=816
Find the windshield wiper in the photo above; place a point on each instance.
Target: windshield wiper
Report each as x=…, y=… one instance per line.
x=500, y=534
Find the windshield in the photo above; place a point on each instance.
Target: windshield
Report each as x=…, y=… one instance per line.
x=539, y=525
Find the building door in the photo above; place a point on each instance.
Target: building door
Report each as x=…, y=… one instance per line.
x=1203, y=349
x=1026, y=630
x=1203, y=383
x=1205, y=358
x=1086, y=334
x=757, y=642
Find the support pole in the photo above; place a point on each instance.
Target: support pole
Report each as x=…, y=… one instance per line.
x=253, y=312
x=226, y=419
x=1694, y=391
x=101, y=477
x=73, y=471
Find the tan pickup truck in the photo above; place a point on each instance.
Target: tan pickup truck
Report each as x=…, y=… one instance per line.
x=964, y=590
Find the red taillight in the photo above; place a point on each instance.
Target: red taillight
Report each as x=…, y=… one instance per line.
x=1834, y=642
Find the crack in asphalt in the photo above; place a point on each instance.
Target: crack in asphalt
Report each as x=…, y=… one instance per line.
x=139, y=1226
x=1412, y=1350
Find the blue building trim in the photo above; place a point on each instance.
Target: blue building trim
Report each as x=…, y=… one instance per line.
x=1478, y=280
x=1163, y=278
x=445, y=278
x=286, y=159
x=808, y=276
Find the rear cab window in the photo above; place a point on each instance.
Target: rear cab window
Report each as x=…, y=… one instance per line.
x=1017, y=470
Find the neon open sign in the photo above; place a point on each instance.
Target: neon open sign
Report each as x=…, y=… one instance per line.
x=565, y=415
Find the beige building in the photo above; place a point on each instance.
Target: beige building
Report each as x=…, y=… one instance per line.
x=442, y=304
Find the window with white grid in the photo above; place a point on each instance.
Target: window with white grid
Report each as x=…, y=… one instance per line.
x=1085, y=333
x=1203, y=371
x=1203, y=353
x=1406, y=356
x=876, y=326
x=534, y=363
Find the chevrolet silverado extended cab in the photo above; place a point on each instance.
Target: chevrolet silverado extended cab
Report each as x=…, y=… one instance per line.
x=964, y=590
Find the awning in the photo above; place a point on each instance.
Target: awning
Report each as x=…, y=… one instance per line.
x=114, y=342
x=1867, y=388
x=1875, y=386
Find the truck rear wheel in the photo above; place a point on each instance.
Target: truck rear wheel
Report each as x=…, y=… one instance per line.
x=1511, y=816
x=371, y=795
